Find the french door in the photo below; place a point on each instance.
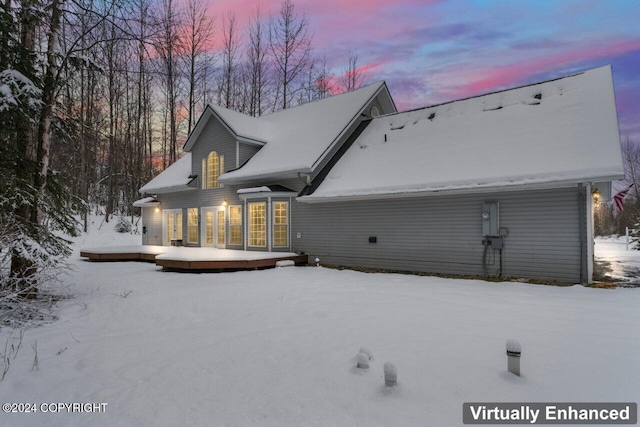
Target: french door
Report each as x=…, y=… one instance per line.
x=214, y=230
x=172, y=219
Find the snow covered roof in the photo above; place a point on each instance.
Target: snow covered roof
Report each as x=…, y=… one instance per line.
x=266, y=191
x=174, y=178
x=297, y=138
x=552, y=133
x=146, y=202
x=245, y=128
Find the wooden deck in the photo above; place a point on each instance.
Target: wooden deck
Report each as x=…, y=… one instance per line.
x=227, y=265
x=118, y=256
x=193, y=259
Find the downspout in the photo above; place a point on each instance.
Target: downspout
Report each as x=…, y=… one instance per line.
x=245, y=229
x=582, y=224
x=269, y=224
x=590, y=232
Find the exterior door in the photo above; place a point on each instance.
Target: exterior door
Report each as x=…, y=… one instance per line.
x=172, y=220
x=221, y=235
x=208, y=231
x=214, y=230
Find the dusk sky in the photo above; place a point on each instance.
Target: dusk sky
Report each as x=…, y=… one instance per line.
x=432, y=51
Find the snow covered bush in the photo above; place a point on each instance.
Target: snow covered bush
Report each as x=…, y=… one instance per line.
x=33, y=254
x=123, y=225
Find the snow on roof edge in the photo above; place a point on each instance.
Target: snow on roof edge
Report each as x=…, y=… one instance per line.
x=531, y=184
x=174, y=178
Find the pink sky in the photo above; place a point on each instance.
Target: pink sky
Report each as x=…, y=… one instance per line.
x=436, y=51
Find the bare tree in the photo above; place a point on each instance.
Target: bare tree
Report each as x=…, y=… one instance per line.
x=230, y=61
x=168, y=48
x=324, y=82
x=631, y=160
x=290, y=45
x=257, y=69
x=353, y=77
x=197, y=34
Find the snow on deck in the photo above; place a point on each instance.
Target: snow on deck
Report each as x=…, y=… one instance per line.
x=181, y=253
x=558, y=131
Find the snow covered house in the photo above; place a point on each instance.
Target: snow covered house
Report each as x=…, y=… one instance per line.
x=494, y=184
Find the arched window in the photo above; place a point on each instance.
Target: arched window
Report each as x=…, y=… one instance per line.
x=213, y=171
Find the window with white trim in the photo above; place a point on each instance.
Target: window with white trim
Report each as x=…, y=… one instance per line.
x=212, y=168
x=192, y=225
x=280, y=224
x=258, y=224
x=204, y=174
x=209, y=227
x=221, y=229
x=235, y=225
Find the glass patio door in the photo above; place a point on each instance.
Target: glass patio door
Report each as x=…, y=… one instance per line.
x=214, y=230
x=172, y=225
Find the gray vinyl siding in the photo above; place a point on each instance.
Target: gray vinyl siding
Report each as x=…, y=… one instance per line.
x=443, y=234
x=152, y=220
x=214, y=137
x=246, y=152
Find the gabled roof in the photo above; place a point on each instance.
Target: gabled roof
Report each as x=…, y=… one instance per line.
x=174, y=178
x=297, y=138
x=558, y=132
x=243, y=127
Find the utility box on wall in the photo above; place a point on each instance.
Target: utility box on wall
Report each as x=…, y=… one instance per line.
x=490, y=219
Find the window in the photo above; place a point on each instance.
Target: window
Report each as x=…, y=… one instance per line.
x=235, y=225
x=212, y=168
x=192, y=225
x=280, y=224
x=204, y=174
x=221, y=229
x=221, y=170
x=209, y=228
x=257, y=224
x=375, y=112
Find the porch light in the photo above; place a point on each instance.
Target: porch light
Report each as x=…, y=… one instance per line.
x=157, y=209
x=225, y=202
x=596, y=196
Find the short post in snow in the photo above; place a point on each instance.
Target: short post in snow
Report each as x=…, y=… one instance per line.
x=513, y=356
x=390, y=374
x=626, y=240
x=317, y=262
x=363, y=361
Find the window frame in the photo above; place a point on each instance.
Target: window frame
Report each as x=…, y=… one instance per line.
x=233, y=225
x=213, y=169
x=284, y=224
x=263, y=227
x=190, y=225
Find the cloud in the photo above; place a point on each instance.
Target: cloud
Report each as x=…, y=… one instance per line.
x=489, y=78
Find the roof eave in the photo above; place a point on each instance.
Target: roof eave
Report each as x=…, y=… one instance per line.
x=459, y=191
x=165, y=190
x=202, y=121
x=293, y=173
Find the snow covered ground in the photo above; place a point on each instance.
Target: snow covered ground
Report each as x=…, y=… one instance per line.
x=278, y=347
x=617, y=261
